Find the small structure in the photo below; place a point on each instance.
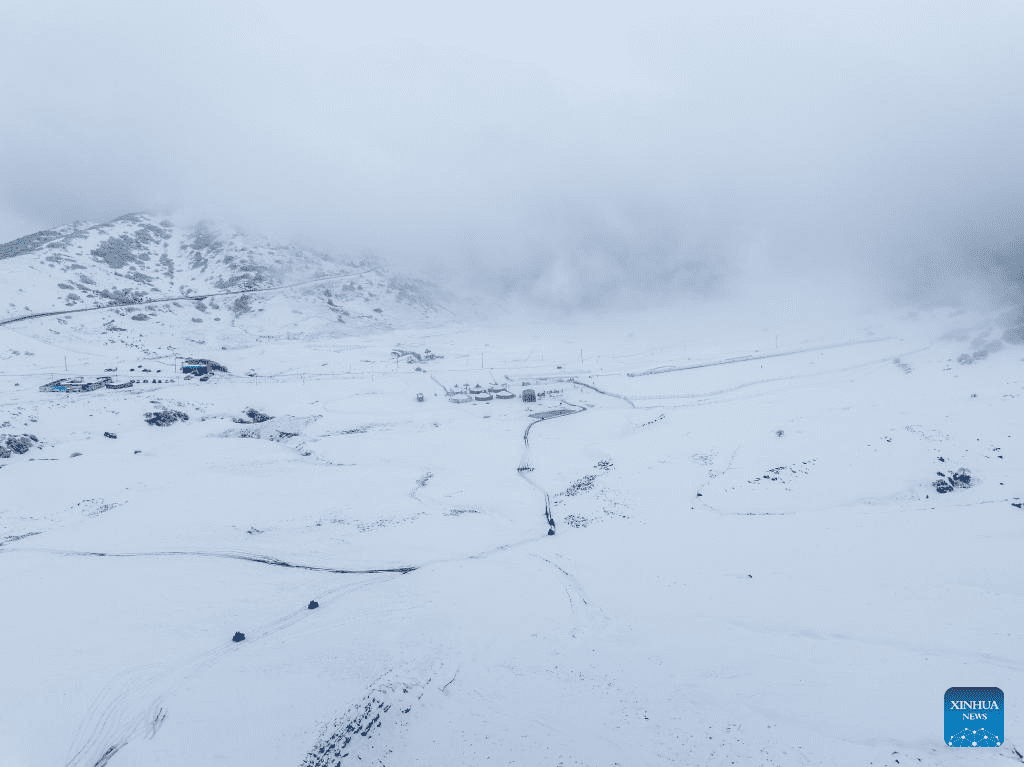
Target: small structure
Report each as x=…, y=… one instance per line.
x=411, y=356
x=419, y=397
x=199, y=366
x=99, y=383
x=529, y=395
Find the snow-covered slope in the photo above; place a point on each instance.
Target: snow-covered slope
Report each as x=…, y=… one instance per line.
x=156, y=271
x=755, y=560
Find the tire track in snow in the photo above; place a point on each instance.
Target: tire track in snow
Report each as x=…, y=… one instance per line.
x=132, y=704
x=119, y=714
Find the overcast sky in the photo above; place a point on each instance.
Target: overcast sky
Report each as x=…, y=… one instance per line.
x=575, y=152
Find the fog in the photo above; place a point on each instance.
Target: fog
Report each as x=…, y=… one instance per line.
x=582, y=156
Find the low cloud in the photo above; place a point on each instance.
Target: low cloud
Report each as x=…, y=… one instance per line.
x=874, y=145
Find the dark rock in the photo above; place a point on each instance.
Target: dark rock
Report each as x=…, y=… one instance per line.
x=109, y=435
x=165, y=417
x=238, y=637
x=254, y=416
x=313, y=604
x=20, y=444
x=961, y=478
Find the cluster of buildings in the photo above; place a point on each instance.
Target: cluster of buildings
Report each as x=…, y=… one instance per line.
x=79, y=384
x=199, y=367
x=479, y=393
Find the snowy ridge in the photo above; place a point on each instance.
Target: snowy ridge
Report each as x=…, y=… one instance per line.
x=141, y=268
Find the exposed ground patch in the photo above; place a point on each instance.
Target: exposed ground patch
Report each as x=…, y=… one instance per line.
x=365, y=730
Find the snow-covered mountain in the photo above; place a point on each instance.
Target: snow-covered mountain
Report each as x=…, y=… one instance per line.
x=151, y=269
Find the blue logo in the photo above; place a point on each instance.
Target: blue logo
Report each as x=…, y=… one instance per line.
x=974, y=717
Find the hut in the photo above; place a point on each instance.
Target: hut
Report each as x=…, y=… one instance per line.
x=478, y=389
x=529, y=395
x=201, y=367
x=484, y=397
x=99, y=383
x=505, y=394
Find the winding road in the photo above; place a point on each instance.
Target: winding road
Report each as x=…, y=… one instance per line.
x=202, y=297
x=525, y=464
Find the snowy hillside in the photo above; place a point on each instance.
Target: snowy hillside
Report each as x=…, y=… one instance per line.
x=161, y=273
x=713, y=539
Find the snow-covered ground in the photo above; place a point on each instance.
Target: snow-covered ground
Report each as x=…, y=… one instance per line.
x=751, y=562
